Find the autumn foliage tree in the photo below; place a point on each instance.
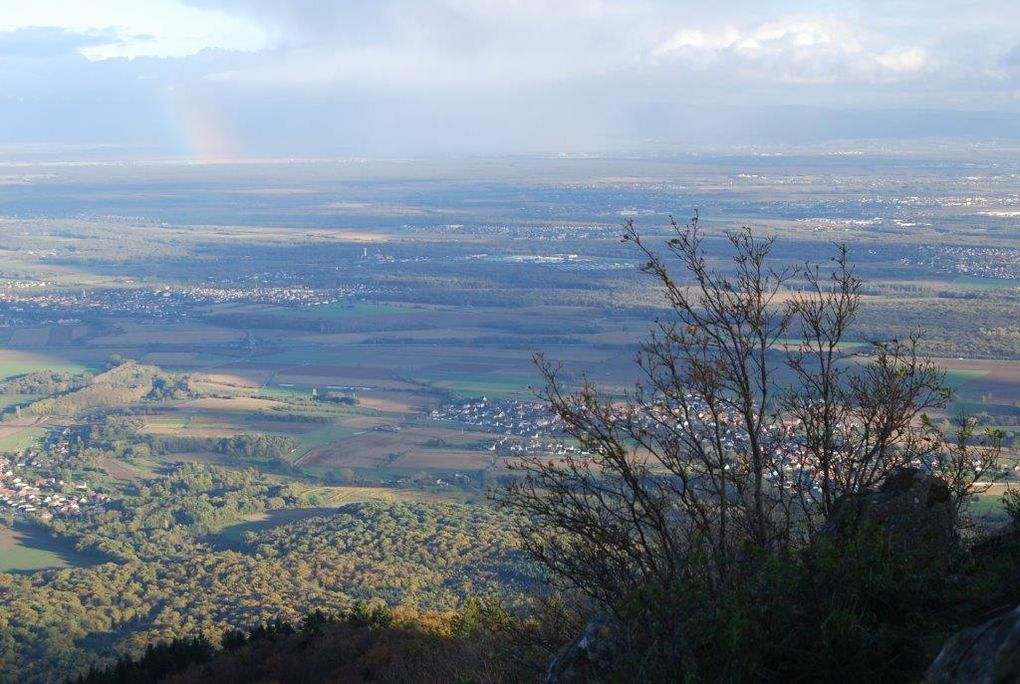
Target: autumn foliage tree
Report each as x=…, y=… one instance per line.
x=754, y=413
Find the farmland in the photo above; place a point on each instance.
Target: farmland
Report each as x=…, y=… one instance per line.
x=220, y=382
x=404, y=294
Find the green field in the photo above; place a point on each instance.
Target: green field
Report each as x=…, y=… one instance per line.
x=15, y=362
x=29, y=437
x=231, y=536
x=278, y=392
x=321, y=436
x=986, y=284
x=956, y=378
x=493, y=385
x=9, y=400
x=25, y=549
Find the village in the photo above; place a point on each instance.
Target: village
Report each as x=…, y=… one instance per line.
x=524, y=427
x=530, y=429
x=980, y=262
x=26, y=495
x=166, y=302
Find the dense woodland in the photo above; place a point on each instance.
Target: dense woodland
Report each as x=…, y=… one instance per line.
x=481, y=642
x=172, y=580
x=162, y=568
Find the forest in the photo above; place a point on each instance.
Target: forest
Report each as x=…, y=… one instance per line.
x=171, y=581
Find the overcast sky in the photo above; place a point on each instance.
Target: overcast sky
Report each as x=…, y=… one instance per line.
x=214, y=79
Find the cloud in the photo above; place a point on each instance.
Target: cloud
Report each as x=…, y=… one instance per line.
x=443, y=43
x=317, y=17
x=132, y=28
x=321, y=77
x=487, y=44
x=46, y=41
x=795, y=49
x=903, y=60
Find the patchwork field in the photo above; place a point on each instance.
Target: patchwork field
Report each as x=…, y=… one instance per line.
x=986, y=386
x=400, y=300
x=411, y=447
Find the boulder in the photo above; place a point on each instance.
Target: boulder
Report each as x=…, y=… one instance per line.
x=987, y=654
x=589, y=655
x=914, y=507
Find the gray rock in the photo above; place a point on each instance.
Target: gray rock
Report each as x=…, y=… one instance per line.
x=987, y=654
x=589, y=655
x=914, y=507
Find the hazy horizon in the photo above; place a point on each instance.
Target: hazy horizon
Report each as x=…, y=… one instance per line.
x=243, y=79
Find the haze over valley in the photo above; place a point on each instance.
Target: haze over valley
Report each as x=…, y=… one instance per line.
x=319, y=321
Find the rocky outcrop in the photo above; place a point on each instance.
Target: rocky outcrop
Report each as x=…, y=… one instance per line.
x=913, y=507
x=987, y=654
x=589, y=655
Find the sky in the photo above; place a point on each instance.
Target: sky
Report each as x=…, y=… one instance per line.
x=243, y=79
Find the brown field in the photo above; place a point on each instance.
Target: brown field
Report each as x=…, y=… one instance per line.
x=235, y=374
x=325, y=375
x=998, y=489
x=285, y=426
x=343, y=495
x=120, y=471
x=995, y=383
x=216, y=431
x=195, y=334
x=30, y=337
x=374, y=448
x=452, y=460
x=239, y=404
x=1000, y=370
x=392, y=402
x=228, y=380
x=443, y=333
x=173, y=360
x=15, y=426
x=337, y=338
x=60, y=336
x=366, y=422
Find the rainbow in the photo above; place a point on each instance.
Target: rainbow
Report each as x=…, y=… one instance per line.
x=197, y=130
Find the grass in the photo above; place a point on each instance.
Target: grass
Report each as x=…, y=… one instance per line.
x=958, y=377
x=231, y=535
x=967, y=407
x=29, y=437
x=514, y=386
x=9, y=400
x=320, y=436
x=14, y=362
x=24, y=548
x=985, y=284
x=328, y=500
x=987, y=506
